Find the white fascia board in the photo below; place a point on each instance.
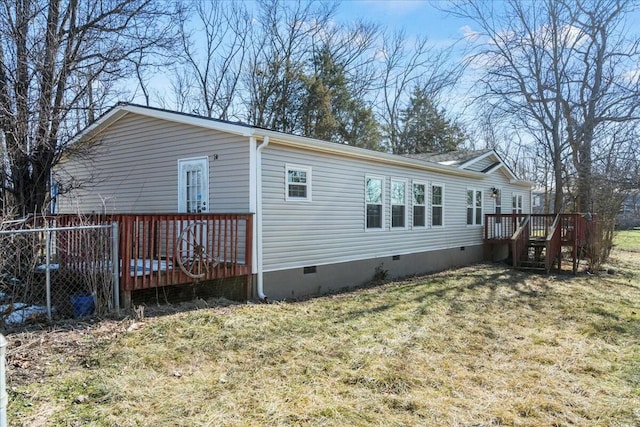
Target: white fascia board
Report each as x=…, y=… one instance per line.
x=203, y=122
x=521, y=183
x=512, y=176
x=119, y=111
x=310, y=144
x=104, y=121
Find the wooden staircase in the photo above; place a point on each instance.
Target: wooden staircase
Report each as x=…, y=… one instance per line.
x=536, y=245
x=535, y=256
x=535, y=241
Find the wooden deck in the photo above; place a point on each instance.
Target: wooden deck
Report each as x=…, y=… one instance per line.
x=157, y=250
x=536, y=241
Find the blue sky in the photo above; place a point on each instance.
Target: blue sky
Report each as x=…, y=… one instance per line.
x=423, y=18
x=416, y=17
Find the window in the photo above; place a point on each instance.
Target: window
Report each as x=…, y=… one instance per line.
x=474, y=207
x=298, y=183
x=373, y=200
x=419, y=211
x=516, y=203
x=437, y=205
x=536, y=201
x=398, y=204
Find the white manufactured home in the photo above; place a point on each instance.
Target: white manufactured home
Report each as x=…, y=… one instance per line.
x=318, y=216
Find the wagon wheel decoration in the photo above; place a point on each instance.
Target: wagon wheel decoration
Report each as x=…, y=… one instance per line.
x=191, y=251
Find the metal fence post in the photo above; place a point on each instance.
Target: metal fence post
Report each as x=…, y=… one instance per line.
x=115, y=263
x=48, y=269
x=3, y=387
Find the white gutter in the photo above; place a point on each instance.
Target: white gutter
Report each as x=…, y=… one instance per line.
x=259, y=274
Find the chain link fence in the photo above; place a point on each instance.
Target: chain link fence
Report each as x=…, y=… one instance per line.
x=56, y=272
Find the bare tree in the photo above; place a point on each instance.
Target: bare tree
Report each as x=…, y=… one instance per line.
x=405, y=67
x=213, y=45
x=560, y=69
x=281, y=47
x=53, y=54
x=523, y=59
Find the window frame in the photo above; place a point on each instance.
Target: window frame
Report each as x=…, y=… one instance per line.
x=441, y=205
x=424, y=204
x=382, y=204
x=536, y=201
x=515, y=209
x=308, y=170
x=477, y=195
x=404, y=205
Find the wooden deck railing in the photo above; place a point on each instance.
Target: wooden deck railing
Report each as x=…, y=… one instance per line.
x=172, y=249
x=553, y=245
x=520, y=240
x=501, y=227
x=572, y=230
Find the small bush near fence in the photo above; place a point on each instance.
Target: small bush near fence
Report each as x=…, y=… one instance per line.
x=78, y=273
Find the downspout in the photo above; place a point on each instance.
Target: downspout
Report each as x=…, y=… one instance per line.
x=259, y=273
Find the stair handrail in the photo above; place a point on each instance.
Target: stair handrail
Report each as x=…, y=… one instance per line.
x=553, y=244
x=519, y=240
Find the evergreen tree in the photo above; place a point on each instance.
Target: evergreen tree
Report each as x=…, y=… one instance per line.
x=427, y=129
x=330, y=111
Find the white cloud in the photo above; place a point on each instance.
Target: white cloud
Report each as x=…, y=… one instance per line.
x=632, y=76
x=469, y=34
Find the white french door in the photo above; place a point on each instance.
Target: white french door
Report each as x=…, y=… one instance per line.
x=193, y=185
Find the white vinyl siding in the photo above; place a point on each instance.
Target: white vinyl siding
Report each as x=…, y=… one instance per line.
x=132, y=168
x=332, y=229
x=437, y=205
x=419, y=205
x=398, y=204
x=474, y=207
x=298, y=186
x=374, y=203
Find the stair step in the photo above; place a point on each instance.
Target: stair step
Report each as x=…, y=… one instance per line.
x=539, y=269
x=537, y=244
x=532, y=264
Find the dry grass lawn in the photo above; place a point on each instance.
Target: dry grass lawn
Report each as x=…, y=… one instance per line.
x=478, y=346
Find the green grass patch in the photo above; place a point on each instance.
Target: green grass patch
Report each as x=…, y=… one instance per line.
x=483, y=345
x=628, y=240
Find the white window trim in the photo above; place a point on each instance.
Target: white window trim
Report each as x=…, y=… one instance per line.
x=364, y=197
x=514, y=210
x=436, y=184
x=308, y=171
x=536, y=201
x=475, y=208
x=182, y=202
x=391, y=204
x=427, y=217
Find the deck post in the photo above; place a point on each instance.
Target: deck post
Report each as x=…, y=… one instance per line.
x=125, y=296
x=115, y=264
